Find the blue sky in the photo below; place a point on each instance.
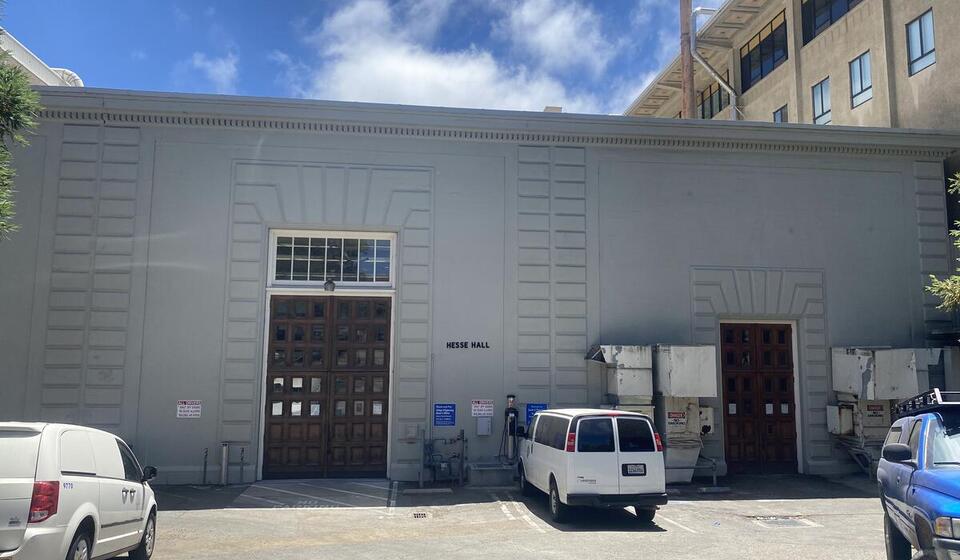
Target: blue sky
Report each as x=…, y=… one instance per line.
x=585, y=55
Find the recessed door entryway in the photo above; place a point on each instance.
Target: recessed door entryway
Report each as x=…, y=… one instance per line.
x=327, y=382
x=759, y=403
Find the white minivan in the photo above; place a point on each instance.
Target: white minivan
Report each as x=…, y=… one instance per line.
x=72, y=492
x=594, y=457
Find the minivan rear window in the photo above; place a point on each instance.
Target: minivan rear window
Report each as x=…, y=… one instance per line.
x=595, y=435
x=19, y=451
x=635, y=435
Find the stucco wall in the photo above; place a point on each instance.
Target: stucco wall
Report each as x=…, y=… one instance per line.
x=928, y=98
x=830, y=53
x=143, y=258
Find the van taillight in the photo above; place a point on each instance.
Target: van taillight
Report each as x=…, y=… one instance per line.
x=658, y=441
x=46, y=498
x=571, y=442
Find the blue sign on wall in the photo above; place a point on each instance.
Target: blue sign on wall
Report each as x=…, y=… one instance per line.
x=533, y=408
x=444, y=414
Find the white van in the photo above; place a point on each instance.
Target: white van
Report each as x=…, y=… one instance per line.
x=594, y=457
x=72, y=492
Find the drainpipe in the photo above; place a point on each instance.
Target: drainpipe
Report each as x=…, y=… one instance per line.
x=687, y=43
x=735, y=113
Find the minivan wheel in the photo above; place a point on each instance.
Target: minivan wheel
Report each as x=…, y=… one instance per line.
x=898, y=547
x=645, y=514
x=525, y=488
x=147, y=543
x=558, y=510
x=79, y=548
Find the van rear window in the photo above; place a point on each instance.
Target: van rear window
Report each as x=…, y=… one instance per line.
x=635, y=435
x=595, y=435
x=19, y=451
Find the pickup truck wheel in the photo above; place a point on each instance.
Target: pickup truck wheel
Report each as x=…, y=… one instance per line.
x=645, y=514
x=558, y=510
x=147, y=543
x=898, y=547
x=526, y=488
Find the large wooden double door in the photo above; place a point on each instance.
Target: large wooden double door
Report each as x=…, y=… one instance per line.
x=327, y=384
x=759, y=407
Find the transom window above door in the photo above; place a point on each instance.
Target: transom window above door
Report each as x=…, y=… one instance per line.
x=347, y=258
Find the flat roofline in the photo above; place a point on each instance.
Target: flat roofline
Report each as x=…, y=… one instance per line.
x=190, y=109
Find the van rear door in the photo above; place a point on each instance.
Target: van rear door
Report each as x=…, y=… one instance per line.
x=641, y=465
x=595, y=463
x=18, y=449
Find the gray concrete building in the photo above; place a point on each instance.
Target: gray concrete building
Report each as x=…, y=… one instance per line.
x=882, y=63
x=171, y=278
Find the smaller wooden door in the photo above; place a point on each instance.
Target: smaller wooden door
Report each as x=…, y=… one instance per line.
x=758, y=398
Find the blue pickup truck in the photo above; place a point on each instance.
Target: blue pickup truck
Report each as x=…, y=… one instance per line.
x=919, y=478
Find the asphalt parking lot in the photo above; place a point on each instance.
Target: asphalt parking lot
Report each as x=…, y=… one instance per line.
x=761, y=517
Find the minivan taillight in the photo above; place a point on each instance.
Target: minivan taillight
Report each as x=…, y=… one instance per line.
x=571, y=442
x=658, y=441
x=46, y=498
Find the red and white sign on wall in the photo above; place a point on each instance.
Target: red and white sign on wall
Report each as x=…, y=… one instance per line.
x=481, y=407
x=189, y=409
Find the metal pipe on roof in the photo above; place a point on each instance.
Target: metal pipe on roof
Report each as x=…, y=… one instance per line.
x=735, y=112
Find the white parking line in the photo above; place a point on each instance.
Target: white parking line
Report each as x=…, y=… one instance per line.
x=672, y=522
x=371, y=485
x=503, y=507
x=271, y=489
x=378, y=498
x=524, y=515
x=259, y=499
x=393, y=494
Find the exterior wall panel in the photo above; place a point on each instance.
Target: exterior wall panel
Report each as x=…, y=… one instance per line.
x=147, y=265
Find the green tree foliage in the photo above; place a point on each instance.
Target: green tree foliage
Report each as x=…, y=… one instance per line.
x=948, y=289
x=19, y=106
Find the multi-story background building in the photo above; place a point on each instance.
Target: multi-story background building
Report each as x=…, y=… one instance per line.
x=886, y=63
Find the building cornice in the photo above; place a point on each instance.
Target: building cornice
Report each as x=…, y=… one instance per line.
x=367, y=119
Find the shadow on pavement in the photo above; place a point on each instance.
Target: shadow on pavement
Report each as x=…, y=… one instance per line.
x=320, y=493
x=585, y=520
x=190, y=498
x=777, y=487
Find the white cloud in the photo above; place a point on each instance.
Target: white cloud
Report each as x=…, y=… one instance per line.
x=368, y=54
x=558, y=34
x=138, y=54
x=181, y=17
x=221, y=72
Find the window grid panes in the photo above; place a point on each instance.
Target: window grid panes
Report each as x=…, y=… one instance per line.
x=341, y=259
x=920, y=42
x=780, y=115
x=712, y=100
x=818, y=15
x=764, y=52
x=821, y=102
x=861, y=83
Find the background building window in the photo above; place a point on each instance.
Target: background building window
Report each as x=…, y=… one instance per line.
x=780, y=115
x=713, y=99
x=764, y=52
x=821, y=102
x=321, y=256
x=818, y=15
x=861, y=84
x=920, y=42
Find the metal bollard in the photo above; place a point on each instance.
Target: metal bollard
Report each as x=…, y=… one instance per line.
x=206, y=451
x=224, y=462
